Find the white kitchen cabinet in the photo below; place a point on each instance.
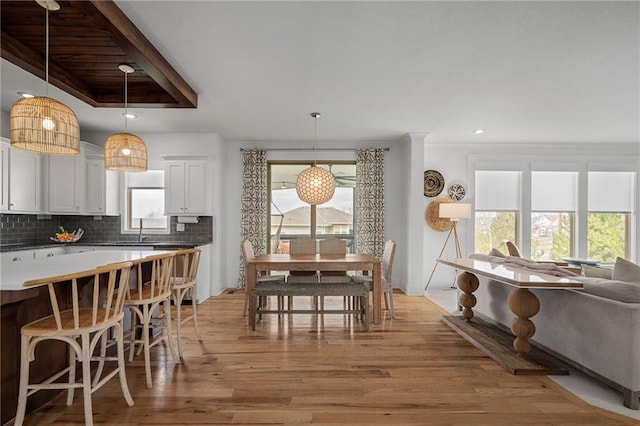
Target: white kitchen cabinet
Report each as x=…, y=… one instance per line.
x=49, y=252
x=66, y=183
x=95, y=188
x=185, y=188
x=25, y=181
x=4, y=177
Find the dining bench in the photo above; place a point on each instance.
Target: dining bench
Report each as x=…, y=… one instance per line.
x=356, y=290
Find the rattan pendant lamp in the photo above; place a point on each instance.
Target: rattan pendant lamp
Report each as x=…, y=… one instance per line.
x=43, y=124
x=315, y=185
x=125, y=152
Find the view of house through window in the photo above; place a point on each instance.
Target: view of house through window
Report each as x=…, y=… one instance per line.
x=145, y=202
x=292, y=218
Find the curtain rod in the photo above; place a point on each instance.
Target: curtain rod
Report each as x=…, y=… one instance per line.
x=386, y=148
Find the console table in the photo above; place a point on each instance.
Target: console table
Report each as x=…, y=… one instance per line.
x=522, y=302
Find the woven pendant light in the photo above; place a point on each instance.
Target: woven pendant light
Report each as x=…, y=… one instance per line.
x=43, y=124
x=315, y=185
x=125, y=152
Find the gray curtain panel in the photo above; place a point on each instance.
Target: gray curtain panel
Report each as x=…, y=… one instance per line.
x=253, y=209
x=370, y=201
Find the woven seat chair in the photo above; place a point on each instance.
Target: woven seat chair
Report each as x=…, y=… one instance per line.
x=333, y=246
x=95, y=309
x=246, y=248
x=143, y=301
x=183, y=284
x=304, y=245
x=386, y=279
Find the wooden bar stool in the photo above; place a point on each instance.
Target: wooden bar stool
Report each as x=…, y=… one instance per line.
x=96, y=308
x=143, y=301
x=183, y=283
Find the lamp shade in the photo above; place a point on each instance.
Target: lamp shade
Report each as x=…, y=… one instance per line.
x=315, y=185
x=44, y=125
x=125, y=152
x=455, y=211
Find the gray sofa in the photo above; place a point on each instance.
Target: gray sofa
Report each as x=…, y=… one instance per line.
x=595, y=329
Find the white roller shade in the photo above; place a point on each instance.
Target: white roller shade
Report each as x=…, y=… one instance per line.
x=498, y=190
x=148, y=179
x=554, y=191
x=611, y=191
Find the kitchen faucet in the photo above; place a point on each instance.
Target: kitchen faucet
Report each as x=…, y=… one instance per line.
x=140, y=236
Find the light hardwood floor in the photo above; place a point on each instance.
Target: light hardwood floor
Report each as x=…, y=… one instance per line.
x=412, y=370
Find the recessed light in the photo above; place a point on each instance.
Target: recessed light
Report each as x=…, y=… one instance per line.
x=129, y=115
x=478, y=131
x=26, y=95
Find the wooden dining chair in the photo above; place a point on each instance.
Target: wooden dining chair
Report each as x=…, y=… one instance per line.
x=246, y=248
x=147, y=297
x=84, y=311
x=183, y=284
x=338, y=247
x=386, y=280
x=302, y=246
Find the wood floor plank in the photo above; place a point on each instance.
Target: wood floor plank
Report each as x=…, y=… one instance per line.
x=324, y=370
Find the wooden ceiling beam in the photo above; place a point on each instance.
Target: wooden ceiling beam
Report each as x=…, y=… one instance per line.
x=111, y=19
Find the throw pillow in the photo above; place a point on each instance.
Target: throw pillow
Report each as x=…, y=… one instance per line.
x=596, y=272
x=497, y=253
x=623, y=270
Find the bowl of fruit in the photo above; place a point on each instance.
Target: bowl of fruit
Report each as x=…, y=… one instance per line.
x=67, y=237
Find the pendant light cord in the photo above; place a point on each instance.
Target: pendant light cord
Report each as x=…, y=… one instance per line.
x=125, y=101
x=46, y=52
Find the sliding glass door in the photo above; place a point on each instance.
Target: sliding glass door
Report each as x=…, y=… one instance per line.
x=292, y=218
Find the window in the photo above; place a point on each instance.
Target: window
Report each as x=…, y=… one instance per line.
x=610, y=203
x=292, y=218
x=145, y=203
x=497, y=209
x=553, y=205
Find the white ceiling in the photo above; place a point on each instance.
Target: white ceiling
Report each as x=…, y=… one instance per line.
x=524, y=71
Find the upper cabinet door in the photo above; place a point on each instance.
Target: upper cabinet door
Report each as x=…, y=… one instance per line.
x=4, y=177
x=95, y=187
x=66, y=183
x=185, y=187
x=25, y=181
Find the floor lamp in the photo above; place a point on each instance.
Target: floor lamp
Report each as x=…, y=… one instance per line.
x=454, y=212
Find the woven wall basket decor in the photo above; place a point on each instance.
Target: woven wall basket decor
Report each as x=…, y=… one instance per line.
x=432, y=215
x=433, y=183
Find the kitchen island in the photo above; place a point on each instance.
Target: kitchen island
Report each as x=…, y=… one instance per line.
x=20, y=305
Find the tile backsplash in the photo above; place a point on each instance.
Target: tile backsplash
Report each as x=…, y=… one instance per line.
x=36, y=229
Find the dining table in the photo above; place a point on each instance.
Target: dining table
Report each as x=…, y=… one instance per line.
x=319, y=262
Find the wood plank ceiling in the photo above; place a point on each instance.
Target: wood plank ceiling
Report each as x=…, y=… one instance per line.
x=87, y=42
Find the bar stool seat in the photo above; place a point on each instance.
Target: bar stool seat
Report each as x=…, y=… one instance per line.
x=81, y=327
x=143, y=301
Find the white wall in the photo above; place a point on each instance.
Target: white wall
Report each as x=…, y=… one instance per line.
x=456, y=162
x=394, y=188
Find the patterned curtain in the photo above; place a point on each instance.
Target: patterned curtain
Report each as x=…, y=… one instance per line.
x=253, y=209
x=370, y=201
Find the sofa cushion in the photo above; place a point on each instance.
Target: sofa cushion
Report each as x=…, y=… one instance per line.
x=596, y=272
x=497, y=253
x=623, y=270
x=611, y=289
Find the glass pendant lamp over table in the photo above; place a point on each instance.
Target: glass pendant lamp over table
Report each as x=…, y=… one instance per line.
x=315, y=185
x=43, y=124
x=125, y=152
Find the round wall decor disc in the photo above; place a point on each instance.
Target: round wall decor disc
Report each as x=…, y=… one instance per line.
x=432, y=215
x=456, y=192
x=433, y=183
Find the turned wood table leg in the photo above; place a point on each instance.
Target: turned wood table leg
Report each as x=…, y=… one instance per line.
x=467, y=283
x=524, y=304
